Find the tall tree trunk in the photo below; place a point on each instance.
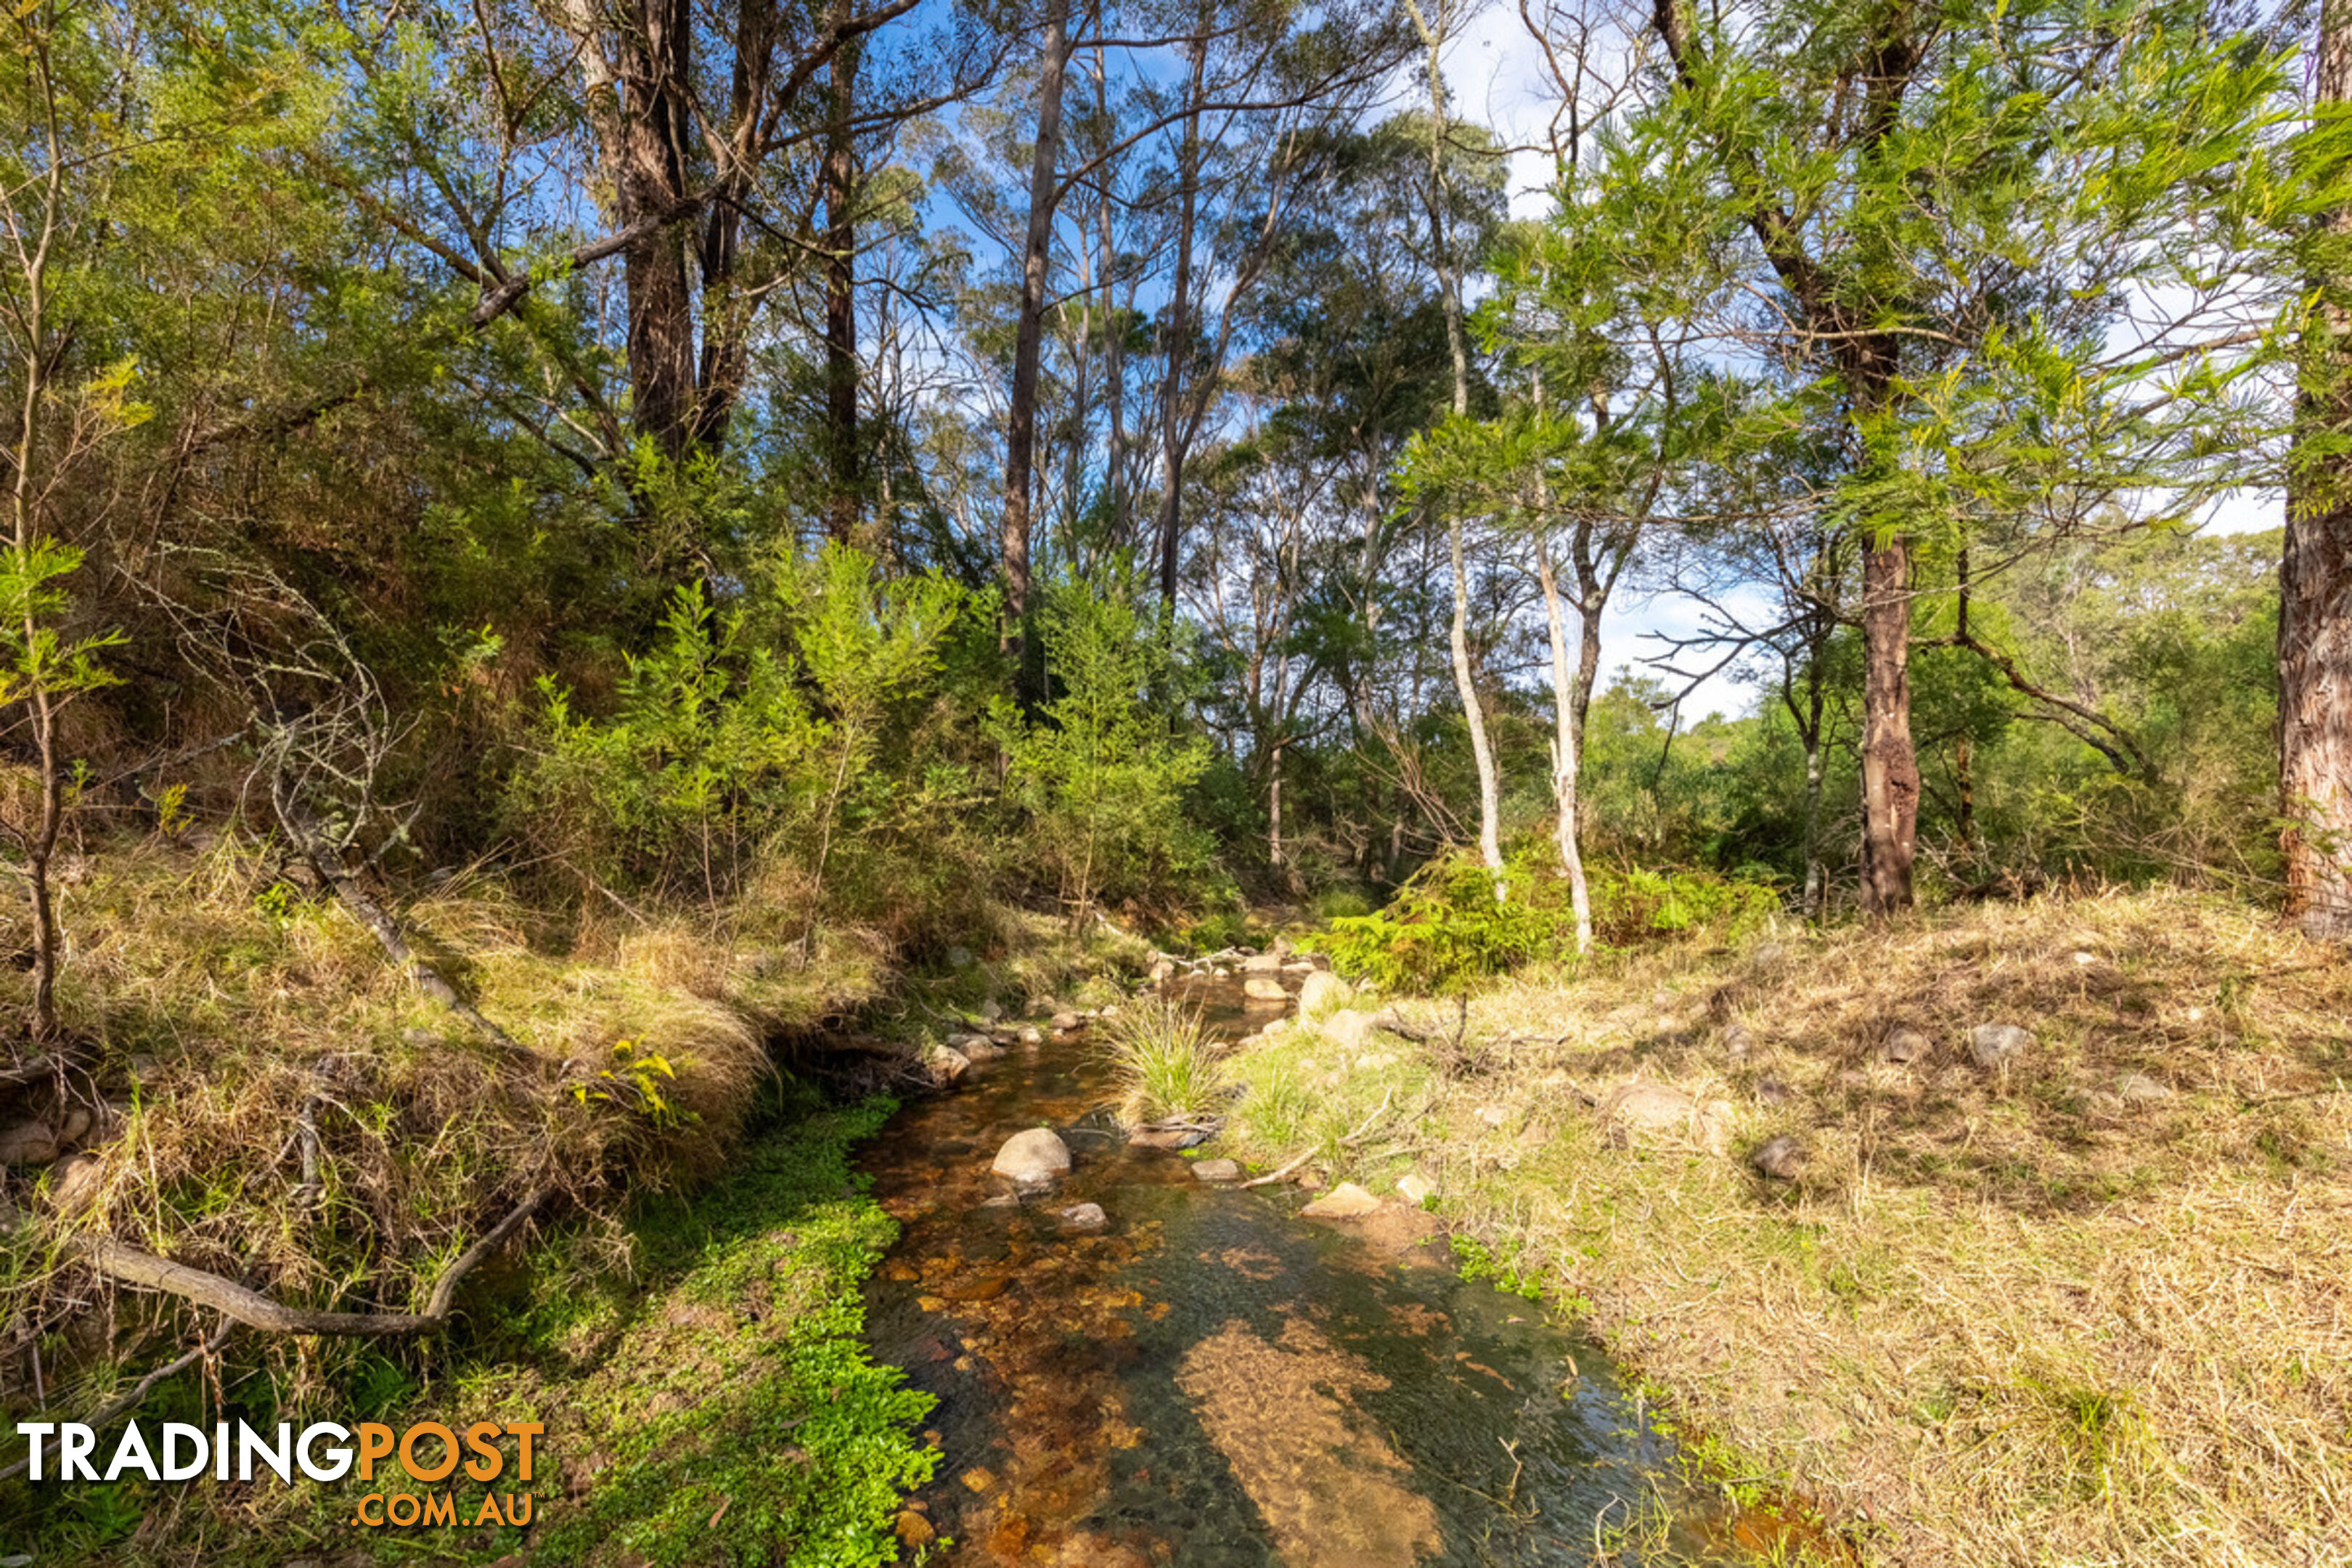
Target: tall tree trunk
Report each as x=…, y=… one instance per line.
x=656, y=40
x=38, y=839
x=1449, y=285
x=1179, y=345
x=1565, y=752
x=1114, y=332
x=1811, y=731
x=2314, y=637
x=1036, y=256
x=840, y=294
x=1890, y=765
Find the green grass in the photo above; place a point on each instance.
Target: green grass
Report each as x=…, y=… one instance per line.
x=1168, y=1069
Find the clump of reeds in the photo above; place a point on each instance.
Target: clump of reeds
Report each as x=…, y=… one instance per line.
x=1168, y=1068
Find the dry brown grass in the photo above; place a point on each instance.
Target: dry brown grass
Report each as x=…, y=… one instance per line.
x=213, y=1004
x=2009, y=1316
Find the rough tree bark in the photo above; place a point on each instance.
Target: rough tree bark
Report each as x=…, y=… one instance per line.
x=840, y=289
x=1866, y=358
x=2315, y=638
x=1890, y=764
x=1021, y=427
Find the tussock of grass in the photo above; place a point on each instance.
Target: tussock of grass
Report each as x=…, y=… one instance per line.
x=1169, y=1070
x=216, y=1008
x=2042, y=1314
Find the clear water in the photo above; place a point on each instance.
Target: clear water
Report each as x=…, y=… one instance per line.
x=1217, y=1382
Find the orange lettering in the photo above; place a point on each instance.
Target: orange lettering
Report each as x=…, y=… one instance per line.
x=448, y=1450
x=376, y=1442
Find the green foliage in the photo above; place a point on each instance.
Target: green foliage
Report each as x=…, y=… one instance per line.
x=779, y=734
x=38, y=654
x=791, y=1233
x=1099, y=769
x=1446, y=931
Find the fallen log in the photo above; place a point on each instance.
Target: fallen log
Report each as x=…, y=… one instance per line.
x=129, y=1266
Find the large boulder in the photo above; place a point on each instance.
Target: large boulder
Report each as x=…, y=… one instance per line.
x=1346, y=1029
x=1319, y=993
x=1033, y=1154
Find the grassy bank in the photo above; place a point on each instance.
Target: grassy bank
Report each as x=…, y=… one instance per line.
x=251, y=1090
x=2087, y=1306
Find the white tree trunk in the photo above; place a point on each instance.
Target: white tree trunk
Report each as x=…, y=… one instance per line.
x=1565, y=762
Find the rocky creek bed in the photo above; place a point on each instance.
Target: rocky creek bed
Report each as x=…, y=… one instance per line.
x=1190, y=1373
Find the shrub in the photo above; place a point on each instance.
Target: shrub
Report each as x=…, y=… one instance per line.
x=1444, y=932
x=1098, y=768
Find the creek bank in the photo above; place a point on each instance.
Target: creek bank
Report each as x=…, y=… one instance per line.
x=1965, y=1229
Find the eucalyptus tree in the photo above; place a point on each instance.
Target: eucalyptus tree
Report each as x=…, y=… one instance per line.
x=2315, y=640
x=707, y=153
x=2005, y=244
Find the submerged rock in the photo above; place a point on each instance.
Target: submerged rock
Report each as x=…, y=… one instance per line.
x=1216, y=1172
x=1084, y=1217
x=1346, y=1201
x=1034, y=1155
x=1168, y=1137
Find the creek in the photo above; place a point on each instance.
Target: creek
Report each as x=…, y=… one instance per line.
x=1214, y=1380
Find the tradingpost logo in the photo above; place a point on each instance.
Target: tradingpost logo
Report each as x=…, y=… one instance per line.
x=428, y=1453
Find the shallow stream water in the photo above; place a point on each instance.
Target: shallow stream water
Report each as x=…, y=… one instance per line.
x=1214, y=1382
